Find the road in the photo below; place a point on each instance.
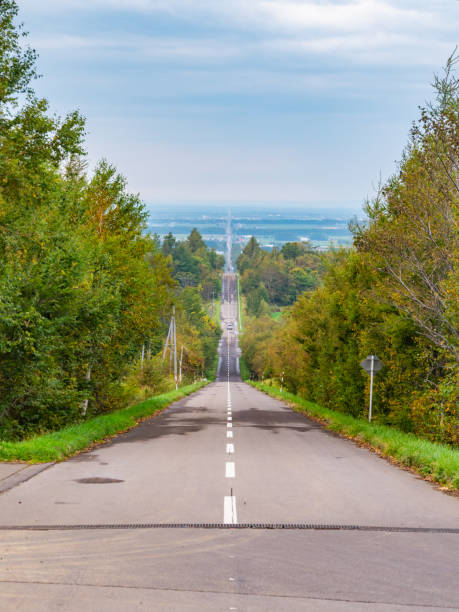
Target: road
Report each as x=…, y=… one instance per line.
x=228, y=500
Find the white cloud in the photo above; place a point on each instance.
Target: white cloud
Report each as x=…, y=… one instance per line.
x=350, y=16
x=361, y=31
x=142, y=46
x=289, y=14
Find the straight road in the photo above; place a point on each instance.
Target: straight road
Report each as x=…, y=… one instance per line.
x=105, y=530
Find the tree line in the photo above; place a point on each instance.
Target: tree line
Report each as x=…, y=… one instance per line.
x=83, y=288
x=273, y=279
x=394, y=294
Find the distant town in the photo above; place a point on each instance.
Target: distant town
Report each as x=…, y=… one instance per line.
x=270, y=227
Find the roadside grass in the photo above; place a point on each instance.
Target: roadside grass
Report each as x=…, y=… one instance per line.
x=436, y=462
x=211, y=371
x=276, y=315
x=245, y=372
x=61, y=444
x=217, y=312
x=239, y=304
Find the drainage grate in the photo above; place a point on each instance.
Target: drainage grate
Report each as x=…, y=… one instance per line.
x=97, y=480
x=272, y=526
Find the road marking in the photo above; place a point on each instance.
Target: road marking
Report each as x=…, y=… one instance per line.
x=229, y=510
x=229, y=434
x=230, y=471
x=230, y=448
x=229, y=425
x=230, y=418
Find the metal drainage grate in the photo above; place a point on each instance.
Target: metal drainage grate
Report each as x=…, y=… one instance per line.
x=272, y=526
x=97, y=480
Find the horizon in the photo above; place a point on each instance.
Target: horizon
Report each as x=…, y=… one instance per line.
x=271, y=208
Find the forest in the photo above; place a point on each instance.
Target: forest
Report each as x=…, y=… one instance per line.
x=272, y=279
x=395, y=294
x=84, y=291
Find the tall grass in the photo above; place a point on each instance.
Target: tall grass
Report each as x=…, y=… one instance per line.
x=436, y=462
x=60, y=444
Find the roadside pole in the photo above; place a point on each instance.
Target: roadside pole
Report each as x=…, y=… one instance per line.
x=171, y=344
x=181, y=360
x=371, y=365
x=175, y=349
x=372, y=371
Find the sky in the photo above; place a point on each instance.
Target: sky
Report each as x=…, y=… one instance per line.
x=244, y=102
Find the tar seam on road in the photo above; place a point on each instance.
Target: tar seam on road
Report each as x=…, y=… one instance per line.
x=262, y=526
x=221, y=592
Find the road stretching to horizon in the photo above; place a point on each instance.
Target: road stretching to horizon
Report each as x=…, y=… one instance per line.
x=228, y=500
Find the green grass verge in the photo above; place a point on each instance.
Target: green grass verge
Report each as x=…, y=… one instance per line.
x=239, y=304
x=217, y=313
x=60, y=444
x=436, y=462
x=276, y=315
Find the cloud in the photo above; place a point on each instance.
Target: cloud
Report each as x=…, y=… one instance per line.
x=349, y=15
x=142, y=47
x=361, y=31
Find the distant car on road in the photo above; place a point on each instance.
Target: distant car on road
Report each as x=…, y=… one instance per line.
x=229, y=326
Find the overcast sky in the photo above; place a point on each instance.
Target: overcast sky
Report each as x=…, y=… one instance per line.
x=242, y=101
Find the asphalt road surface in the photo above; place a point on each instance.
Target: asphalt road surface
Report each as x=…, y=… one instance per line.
x=228, y=501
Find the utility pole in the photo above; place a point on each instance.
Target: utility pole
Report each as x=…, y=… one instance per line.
x=142, y=356
x=181, y=361
x=175, y=347
x=171, y=343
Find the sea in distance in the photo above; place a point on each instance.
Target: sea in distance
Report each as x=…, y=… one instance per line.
x=271, y=226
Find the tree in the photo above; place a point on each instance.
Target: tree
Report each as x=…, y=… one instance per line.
x=413, y=235
x=195, y=241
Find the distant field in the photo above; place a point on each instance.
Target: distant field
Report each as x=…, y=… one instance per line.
x=270, y=227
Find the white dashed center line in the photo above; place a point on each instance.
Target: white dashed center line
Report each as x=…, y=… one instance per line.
x=229, y=506
x=229, y=510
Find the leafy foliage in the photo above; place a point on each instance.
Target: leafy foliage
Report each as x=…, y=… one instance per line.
x=278, y=277
x=82, y=287
x=197, y=270
x=396, y=294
